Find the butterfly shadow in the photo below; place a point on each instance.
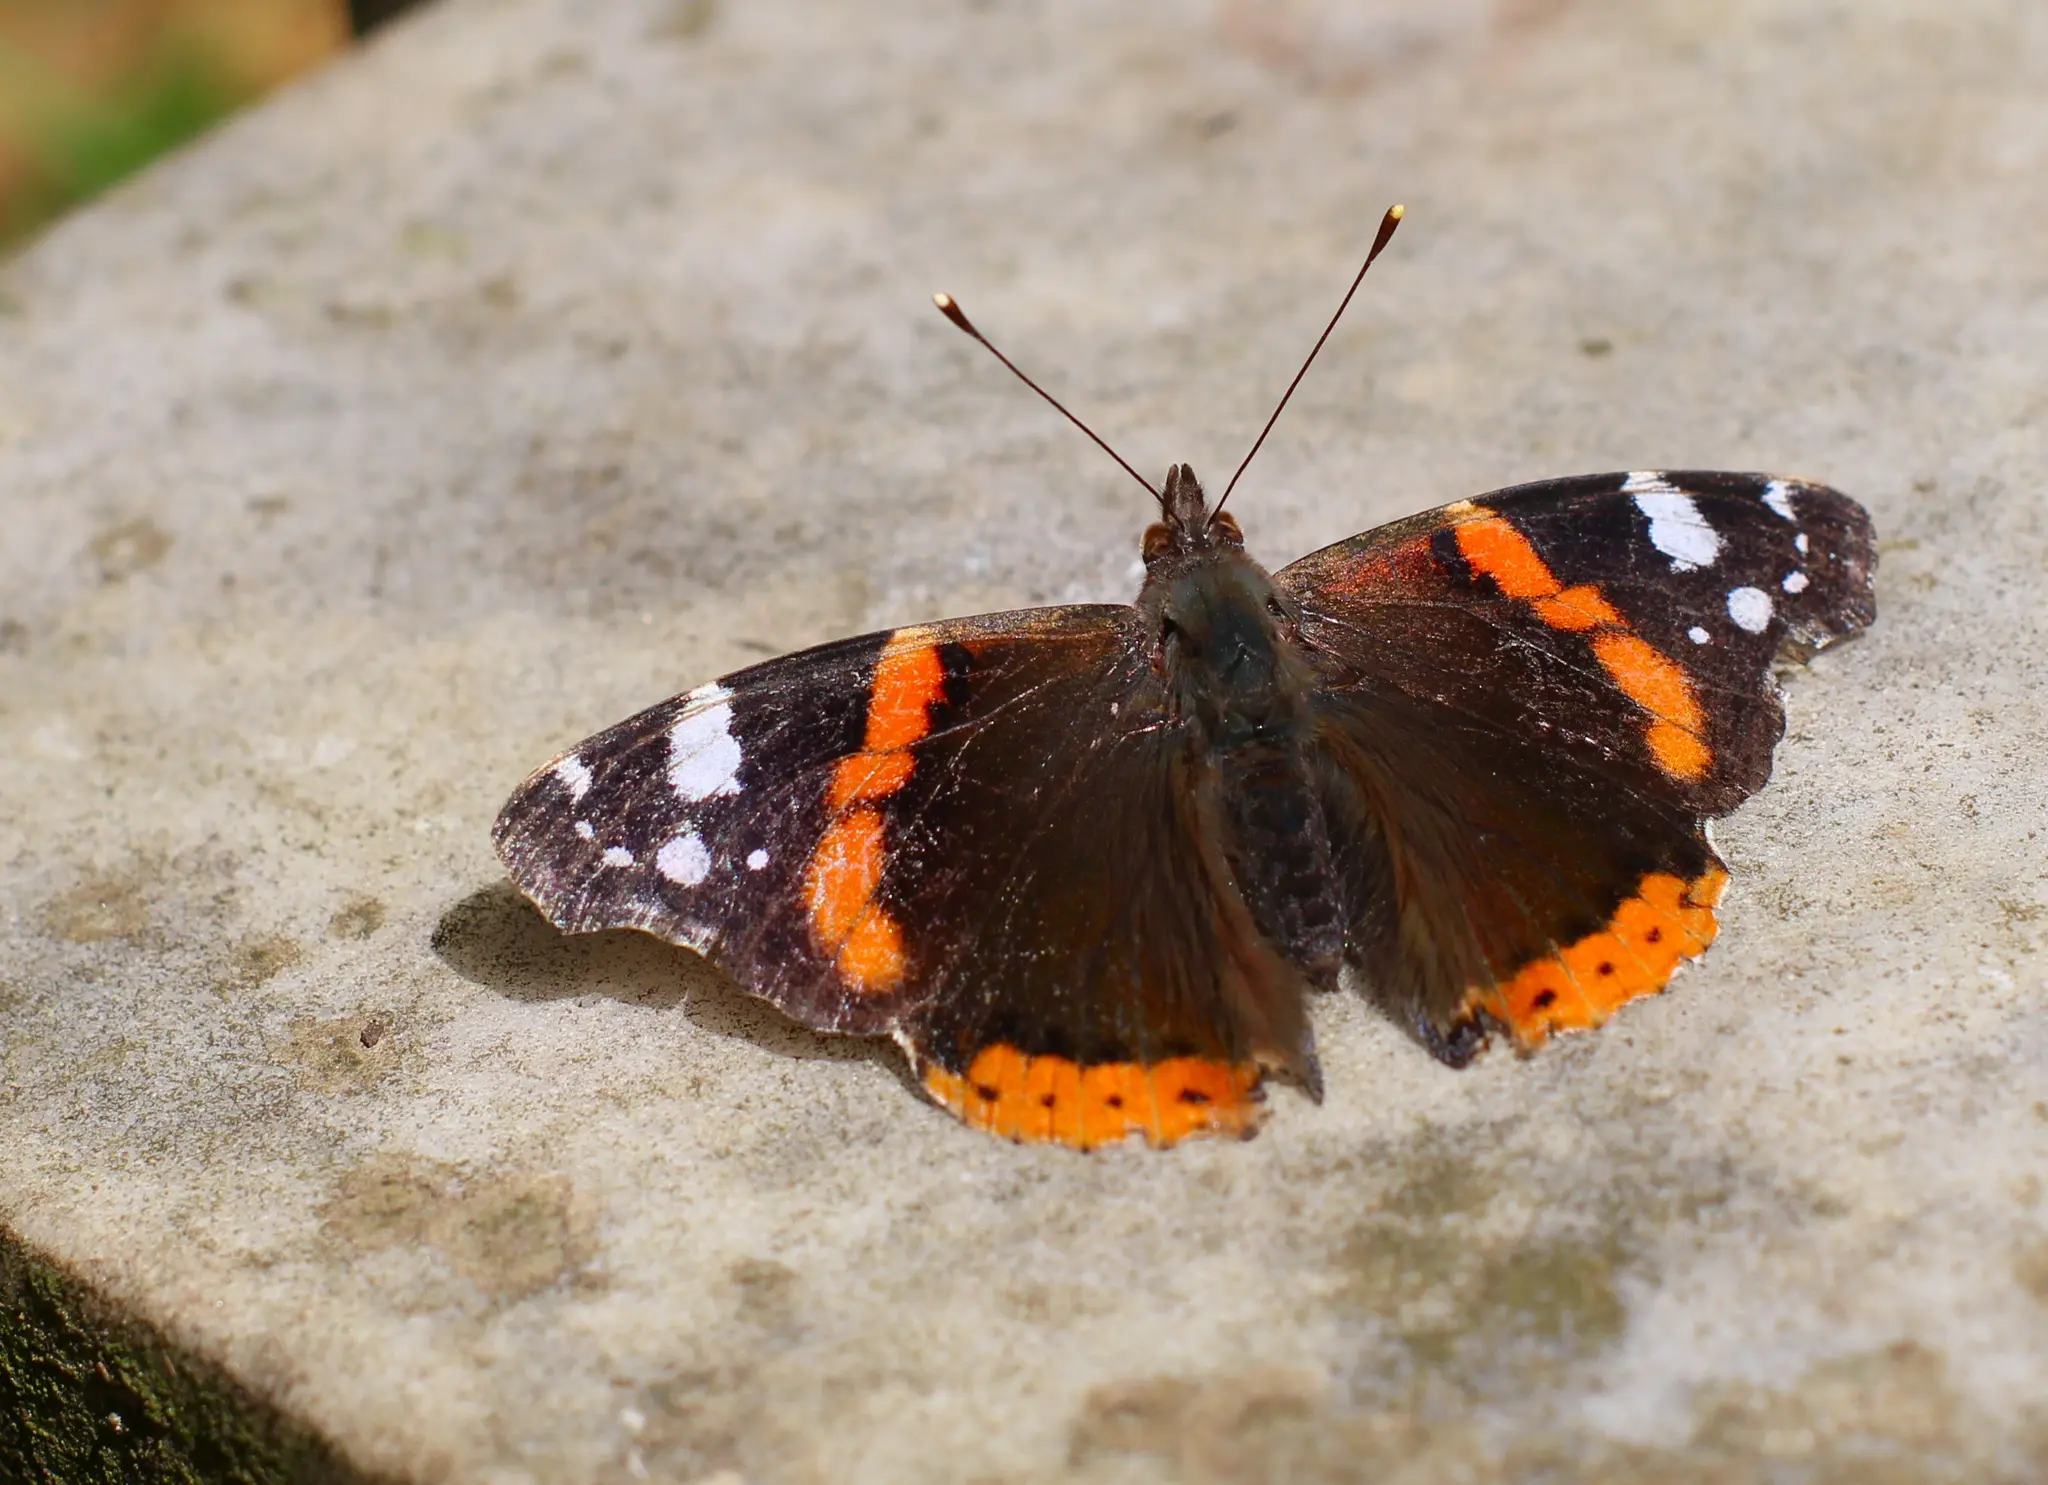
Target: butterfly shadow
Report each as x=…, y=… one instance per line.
x=497, y=939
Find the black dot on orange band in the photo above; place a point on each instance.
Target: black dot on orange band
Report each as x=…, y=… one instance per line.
x=1606, y=968
x=1545, y=998
x=1193, y=1095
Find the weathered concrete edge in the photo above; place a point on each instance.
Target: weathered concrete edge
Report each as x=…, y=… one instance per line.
x=73, y=1362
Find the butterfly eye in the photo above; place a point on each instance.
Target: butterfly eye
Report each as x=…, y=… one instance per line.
x=1168, y=643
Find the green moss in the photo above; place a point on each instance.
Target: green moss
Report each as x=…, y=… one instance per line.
x=1479, y=1306
x=77, y=144
x=90, y=1396
x=1557, y=1291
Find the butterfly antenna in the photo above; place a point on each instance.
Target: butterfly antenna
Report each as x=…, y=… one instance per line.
x=1387, y=225
x=950, y=308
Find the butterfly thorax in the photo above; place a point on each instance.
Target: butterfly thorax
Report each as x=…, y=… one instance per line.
x=1221, y=632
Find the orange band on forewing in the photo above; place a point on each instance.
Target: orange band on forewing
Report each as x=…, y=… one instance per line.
x=1667, y=922
x=866, y=776
x=842, y=876
x=863, y=941
x=1647, y=678
x=1577, y=608
x=908, y=679
x=871, y=958
x=1501, y=552
x=848, y=926
x=1052, y=1100
x=1679, y=753
x=1657, y=685
x=1676, y=735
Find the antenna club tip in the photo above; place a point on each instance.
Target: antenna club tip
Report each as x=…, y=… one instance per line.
x=950, y=308
x=1396, y=212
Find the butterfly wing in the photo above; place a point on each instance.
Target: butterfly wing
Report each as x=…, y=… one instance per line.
x=975, y=836
x=1531, y=702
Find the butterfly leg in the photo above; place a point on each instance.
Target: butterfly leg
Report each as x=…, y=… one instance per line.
x=1455, y=1047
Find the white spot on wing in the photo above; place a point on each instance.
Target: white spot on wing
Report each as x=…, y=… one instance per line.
x=617, y=856
x=575, y=776
x=1799, y=541
x=585, y=829
x=1795, y=582
x=1697, y=635
x=756, y=859
x=1677, y=529
x=703, y=755
x=684, y=860
x=1750, y=608
x=1778, y=496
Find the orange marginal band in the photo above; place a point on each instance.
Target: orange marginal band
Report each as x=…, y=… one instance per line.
x=1666, y=923
x=1645, y=675
x=1053, y=1100
x=864, y=942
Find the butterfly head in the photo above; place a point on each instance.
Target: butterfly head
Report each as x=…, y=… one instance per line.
x=1190, y=531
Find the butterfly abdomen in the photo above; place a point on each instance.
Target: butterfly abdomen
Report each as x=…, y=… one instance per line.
x=1279, y=852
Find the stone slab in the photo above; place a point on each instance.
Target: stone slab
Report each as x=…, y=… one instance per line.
x=546, y=358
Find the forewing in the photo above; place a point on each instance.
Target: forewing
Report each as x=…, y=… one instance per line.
x=695, y=820
x=1533, y=700
x=977, y=836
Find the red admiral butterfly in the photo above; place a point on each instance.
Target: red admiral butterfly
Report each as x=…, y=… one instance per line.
x=1085, y=863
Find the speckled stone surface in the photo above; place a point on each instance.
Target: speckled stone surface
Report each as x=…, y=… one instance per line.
x=547, y=358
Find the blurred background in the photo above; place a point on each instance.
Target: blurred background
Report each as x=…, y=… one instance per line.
x=91, y=90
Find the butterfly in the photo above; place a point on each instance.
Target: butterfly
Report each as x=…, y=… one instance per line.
x=1086, y=864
